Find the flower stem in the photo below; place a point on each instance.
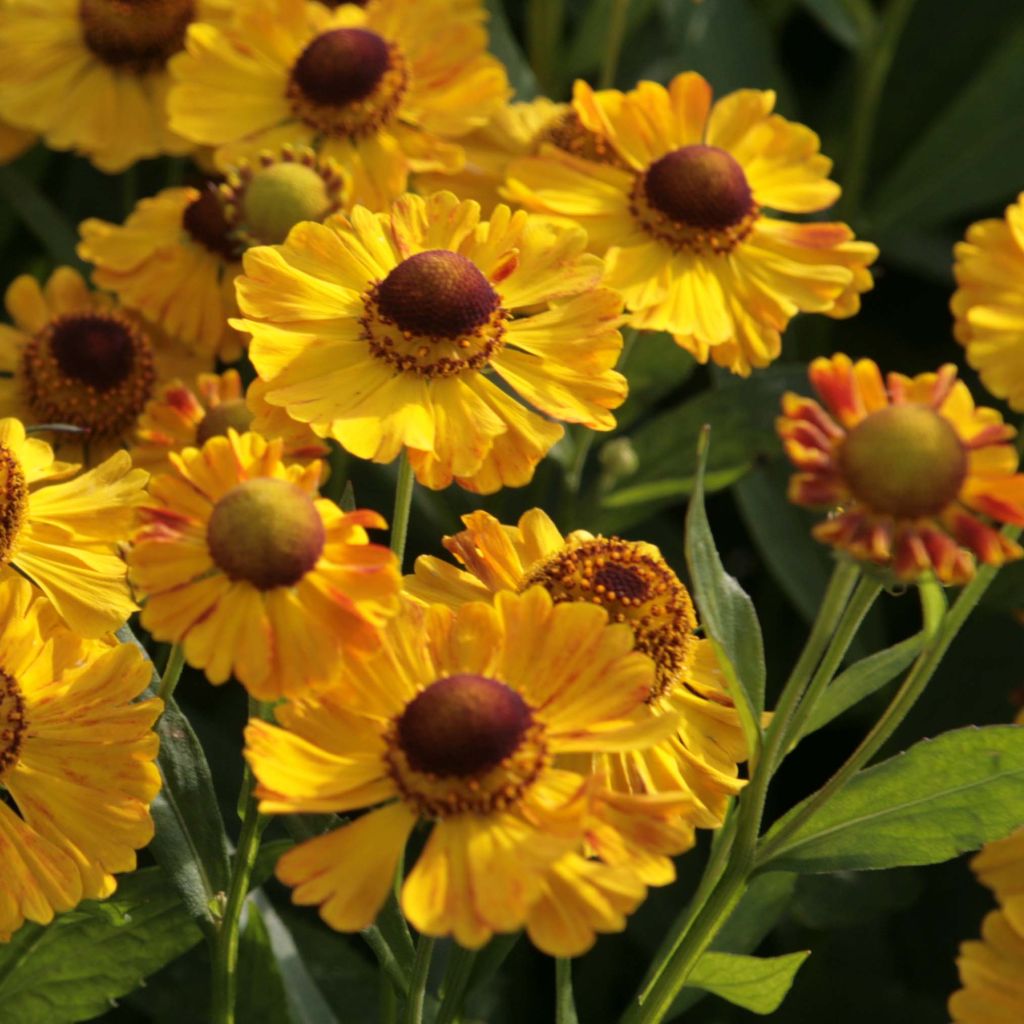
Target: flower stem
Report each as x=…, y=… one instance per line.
x=172, y=672
x=456, y=984
x=418, y=983
x=403, y=506
x=613, y=43
x=544, y=21
x=565, y=1004
x=225, y=956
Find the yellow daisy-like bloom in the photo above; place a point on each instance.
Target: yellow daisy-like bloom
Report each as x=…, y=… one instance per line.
x=187, y=417
x=62, y=531
x=76, y=762
x=14, y=142
x=176, y=257
x=240, y=562
x=91, y=75
x=683, y=223
x=455, y=721
x=73, y=356
x=382, y=90
x=632, y=581
x=912, y=469
x=377, y=329
x=516, y=130
x=989, y=302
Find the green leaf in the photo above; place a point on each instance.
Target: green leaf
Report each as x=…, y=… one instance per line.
x=72, y=969
x=190, y=842
x=656, y=367
x=846, y=899
x=847, y=21
x=266, y=860
x=261, y=991
x=726, y=610
x=40, y=216
x=504, y=46
x=971, y=155
x=941, y=798
x=758, y=984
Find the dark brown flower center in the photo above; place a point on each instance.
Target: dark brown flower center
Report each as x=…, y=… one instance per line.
x=699, y=186
x=204, y=219
x=135, y=35
x=341, y=66
x=905, y=460
x=462, y=725
x=13, y=501
x=95, y=350
x=215, y=423
x=12, y=722
x=439, y=294
x=267, y=532
x=569, y=134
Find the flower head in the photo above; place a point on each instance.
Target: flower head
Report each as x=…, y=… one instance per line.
x=62, y=531
x=91, y=75
x=680, y=215
x=457, y=721
x=989, y=302
x=77, y=758
x=378, y=329
x=637, y=588
x=383, y=90
x=912, y=469
x=73, y=356
x=240, y=562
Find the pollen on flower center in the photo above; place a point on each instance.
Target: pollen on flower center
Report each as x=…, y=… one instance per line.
x=267, y=532
x=570, y=135
x=215, y=423
x=905, y=460
x=699, y=186
x=437, y=293
x=13, y=501
x=633, y=582
x=12, y=722
x=205, y=221
x=95, y=350
x=135, y=35
x=462, y=725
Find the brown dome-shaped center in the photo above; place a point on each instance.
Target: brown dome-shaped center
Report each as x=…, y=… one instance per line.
x=205, y=221
x=437, y=293
x=341, y=66
x=93, y=349
x=699, y=186
x=462, y=725
x=215, y=423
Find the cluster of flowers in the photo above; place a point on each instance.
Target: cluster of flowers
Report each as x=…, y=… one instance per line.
x=546, y=703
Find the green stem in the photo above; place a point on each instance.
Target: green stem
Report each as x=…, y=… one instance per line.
x=172, y=672
x=853, y=615
x=875, y=58
x=40, y=216
x=544, y=21
x=613, y=43
x=565, y=1004
x=456, y=985
x=913, y=686
x=225, y=956
x=403, y=506
x=398, y=977
x=418, y=984
x=388, y=1002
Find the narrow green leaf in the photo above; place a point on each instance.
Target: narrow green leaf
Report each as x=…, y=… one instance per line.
x=656, y=367
x=849, y=22
x=72, y=969
x=190, y=842
x=261, y=991
x=505, y=47
x=861, y=680
x=40, y=216
x=941, y=798
x=726, y=610
x=679, y=487
x=758, y=984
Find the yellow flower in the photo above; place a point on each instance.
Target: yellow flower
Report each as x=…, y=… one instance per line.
x=76, y=762
x=455, y=722
x=383, y=90
x=989, y=302
x=90, y=75
x=13, y=142
x=912, y=468
x=517, y=129
x=176, y=257
x=240, y=562
x=632, y=581
x=64, y=536
x=75, y=357
x=378, y=330
x=682, y=223
x=186, y=417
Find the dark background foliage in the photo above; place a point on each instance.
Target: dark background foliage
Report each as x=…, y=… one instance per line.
x=944, y=146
